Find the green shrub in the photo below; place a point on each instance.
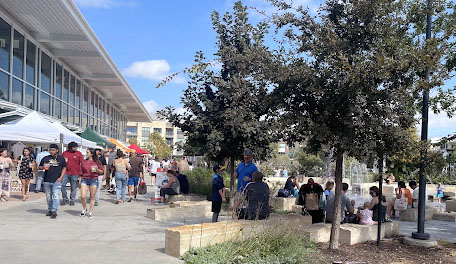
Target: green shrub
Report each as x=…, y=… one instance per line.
x=200, y=181
x=274, y=245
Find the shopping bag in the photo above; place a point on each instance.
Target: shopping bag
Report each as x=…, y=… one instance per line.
x=142, y=188
x=312, y=201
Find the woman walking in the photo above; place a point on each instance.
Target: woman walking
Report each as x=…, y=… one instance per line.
x=121, y=166
x=5, y=164
x=25, y=173
x=91, y=168
x=101, y=177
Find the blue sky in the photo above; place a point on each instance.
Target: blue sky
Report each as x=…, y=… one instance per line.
x=150, y=39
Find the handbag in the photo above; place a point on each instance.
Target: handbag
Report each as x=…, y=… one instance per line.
x=401, y=203
x=312, y=201
x=142, y=188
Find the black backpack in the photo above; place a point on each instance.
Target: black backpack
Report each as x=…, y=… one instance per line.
x=183, y=182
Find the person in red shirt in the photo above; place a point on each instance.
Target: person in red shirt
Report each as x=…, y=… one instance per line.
x=73, y=160
x=91, y=168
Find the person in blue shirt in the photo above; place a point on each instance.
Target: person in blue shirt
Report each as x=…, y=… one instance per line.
x=285, y=173
x=218, y=192
x=245, y=170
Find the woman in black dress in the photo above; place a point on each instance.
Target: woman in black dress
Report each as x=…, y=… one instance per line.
x=26, y=165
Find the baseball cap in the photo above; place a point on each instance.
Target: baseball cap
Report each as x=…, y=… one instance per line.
x=248, y=152
x=218, y=168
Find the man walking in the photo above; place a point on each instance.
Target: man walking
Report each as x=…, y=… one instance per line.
x=39, y=181
x=135, y=173
x=244, y=172
x=54, y=167
x=73, y=160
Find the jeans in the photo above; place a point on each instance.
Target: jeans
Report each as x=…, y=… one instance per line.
x=74, y=182
x=121, y=185
x=39, y=180
x=52, y=190
x=100, y=182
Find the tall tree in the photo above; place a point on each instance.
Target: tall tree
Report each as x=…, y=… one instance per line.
x=156, y=146
x=347, y=79
x=227, y=106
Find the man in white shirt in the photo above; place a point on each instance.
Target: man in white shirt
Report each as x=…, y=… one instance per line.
x=415, y=193
x=154, y=166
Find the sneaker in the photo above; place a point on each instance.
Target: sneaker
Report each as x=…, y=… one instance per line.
x=96, y=203
x=64, y=202
x=71, y=203
x=83, y=213
x=90, y=215
x=53, y=215
x=49, y=213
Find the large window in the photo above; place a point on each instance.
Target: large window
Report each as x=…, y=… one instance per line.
x=4, y=86
x=18, y=55
x=133, y=130
x=30, y=63
x=84, y=120
x=144, y=139
x=5, y=42
x=46, y=69
x=64, y=112
x=85, y=102
x=70, y=115
x=72, y=89
x=158, y=130
x=45, y=104
x=92, y=103
x=57, y=109
x=76, y=117
x=170, y=132
x=17, y=91
x=145, y=131
x=58, y=81
x=77, y=96
x=169, y=141
x=29, y=100
x=66, y=85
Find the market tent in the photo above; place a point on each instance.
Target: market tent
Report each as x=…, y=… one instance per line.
x=138, y=149
x=91, y=135
x=32, y=128
x=119, y=145
x=69, y=136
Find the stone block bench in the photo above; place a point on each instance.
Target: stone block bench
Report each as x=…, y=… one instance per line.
x=282, y=203
x=186, y=197
x=411, y=215
x=449, y=194
x=179, y=240
x=448, y=217
x=351, y=234
x=181, y=210
x=451, y=206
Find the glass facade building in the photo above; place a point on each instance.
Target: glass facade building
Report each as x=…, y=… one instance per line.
x=32, y=77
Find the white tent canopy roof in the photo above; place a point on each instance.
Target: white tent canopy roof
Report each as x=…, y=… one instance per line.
x=69, y=136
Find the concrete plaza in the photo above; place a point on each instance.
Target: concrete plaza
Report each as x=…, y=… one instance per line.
x=117, y=234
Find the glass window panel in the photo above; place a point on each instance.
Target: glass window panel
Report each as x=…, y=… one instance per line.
x=72, y=88
x=66, y=85
x=71, y=115
x=96, y=107
x=76, y=117
x=4, y=85
x=45, y=72
x=103, y=116
x=84, y=120
x=57, y=109
x=30, y=62
x=17, y=91
x=18, y=55
x=29, y=96
x=92, y=103
x=58, y=81
x=77, y=96
x=85, y=103
x=45, y=104
x=65, y=112
x=5, y=42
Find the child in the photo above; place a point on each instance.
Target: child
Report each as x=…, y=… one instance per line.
x=439, y=192
x=365, y=215
x=218, y=192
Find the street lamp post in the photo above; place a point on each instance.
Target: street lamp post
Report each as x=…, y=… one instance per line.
x=449, y=149
x=424, y=137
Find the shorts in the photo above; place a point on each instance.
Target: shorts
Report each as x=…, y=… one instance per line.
x=153, y=174
x=216, y=207
x=133, y=181
x=440, y=195
x=89, y=182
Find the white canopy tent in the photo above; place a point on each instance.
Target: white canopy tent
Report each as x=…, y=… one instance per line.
x=69, y=136
x=32, y=128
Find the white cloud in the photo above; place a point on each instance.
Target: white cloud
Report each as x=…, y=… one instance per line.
x=106, y=4
x=439, y=125
x=152, y=107
x=154, y=70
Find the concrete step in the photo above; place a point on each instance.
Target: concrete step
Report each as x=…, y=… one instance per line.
x=449, y=217
x=282, y=203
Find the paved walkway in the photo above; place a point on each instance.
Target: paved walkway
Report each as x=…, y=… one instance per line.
x=439, y=230
x=117, y=234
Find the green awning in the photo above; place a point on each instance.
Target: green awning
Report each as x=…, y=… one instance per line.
x=91, y=135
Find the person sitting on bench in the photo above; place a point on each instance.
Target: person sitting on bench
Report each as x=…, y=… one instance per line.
x=170, y=188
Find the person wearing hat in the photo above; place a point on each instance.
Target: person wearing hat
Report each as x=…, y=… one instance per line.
x=256, y=194
x=101, y=158
x=244, y=172
x=135, y=173
x=218, y=192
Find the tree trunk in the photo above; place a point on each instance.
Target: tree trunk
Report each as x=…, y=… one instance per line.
x=232, y=179
x=335, y=228
x=380, y=194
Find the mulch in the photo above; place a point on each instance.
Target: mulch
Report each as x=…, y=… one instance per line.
x=391, y=251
